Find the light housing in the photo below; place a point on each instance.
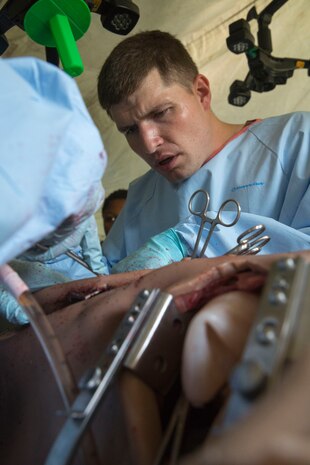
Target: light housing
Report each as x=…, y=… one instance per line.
x=240, y=38
x=118, y=16
x=265, y=70
x=239, y=94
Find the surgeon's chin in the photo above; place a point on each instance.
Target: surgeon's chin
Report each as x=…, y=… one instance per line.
x=172, y=168
x=174, y=176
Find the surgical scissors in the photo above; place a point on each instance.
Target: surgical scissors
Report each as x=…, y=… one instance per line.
x=249, y=242
x=218, y=220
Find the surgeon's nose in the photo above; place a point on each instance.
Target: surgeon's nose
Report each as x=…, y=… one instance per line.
x=150, y=139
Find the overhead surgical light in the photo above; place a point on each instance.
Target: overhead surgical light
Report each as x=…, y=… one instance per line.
x=118, y=16
x=58, y=24
x=240, y=39
x=266, y=71
x=239, y=94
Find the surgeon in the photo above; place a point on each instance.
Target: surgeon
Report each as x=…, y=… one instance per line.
x=50, y=179
x=154, y=93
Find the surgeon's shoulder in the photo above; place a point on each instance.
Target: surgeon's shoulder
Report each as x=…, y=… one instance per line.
x=277, y=131
x=144, y=187
x=287, y=121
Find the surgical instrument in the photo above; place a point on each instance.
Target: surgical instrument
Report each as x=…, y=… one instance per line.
x=278, y=338
x=202, y=214
x=72, y=255
x=136, y=345
x=250, y=242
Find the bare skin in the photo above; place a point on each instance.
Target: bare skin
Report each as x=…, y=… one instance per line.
x=211, y=348
x=29, y=397
x=62, y=295
x=276, y=432
x=143, y=420
x=163, y=124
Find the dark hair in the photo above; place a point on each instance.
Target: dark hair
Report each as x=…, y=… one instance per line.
x=119, y=194
x=133, y=58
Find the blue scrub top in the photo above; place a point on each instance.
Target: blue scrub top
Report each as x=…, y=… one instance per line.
x=266, y=169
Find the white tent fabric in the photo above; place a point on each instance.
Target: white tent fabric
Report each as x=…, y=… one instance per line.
x=202, y=25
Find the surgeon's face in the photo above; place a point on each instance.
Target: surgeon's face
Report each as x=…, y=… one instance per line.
x=167, y=125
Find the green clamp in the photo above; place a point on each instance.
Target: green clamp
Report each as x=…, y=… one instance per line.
x=59, y=23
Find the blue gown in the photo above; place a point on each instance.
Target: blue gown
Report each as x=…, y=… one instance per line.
x=266, y=169
x=51, y=164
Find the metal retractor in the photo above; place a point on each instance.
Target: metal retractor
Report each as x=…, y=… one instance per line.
x=142, y=343
x=278, y=336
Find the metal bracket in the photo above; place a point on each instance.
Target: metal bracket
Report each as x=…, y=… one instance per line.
x=151, y=356
x=141, y=343
x=278, y=335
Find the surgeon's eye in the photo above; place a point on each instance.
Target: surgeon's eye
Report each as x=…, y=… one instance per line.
x=130, y=130
x=161, y=113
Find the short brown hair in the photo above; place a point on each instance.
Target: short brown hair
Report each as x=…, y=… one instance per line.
x=133, y=58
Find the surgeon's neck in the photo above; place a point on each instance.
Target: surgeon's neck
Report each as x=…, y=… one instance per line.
x=221, y=133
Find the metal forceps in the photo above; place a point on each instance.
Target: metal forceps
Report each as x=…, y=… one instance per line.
x=218, y=220
x=250, y=242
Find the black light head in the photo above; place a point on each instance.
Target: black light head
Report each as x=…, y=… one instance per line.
x=239, y=94
x=240, y=38
x=118, y=16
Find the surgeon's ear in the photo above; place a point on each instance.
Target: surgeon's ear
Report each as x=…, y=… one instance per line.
x=202, y=90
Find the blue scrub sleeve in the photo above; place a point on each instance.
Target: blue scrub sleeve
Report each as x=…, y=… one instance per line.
x=36, y=276
x=91, y=248
x=10, y=309
x=84, y=242
x=162, y=249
